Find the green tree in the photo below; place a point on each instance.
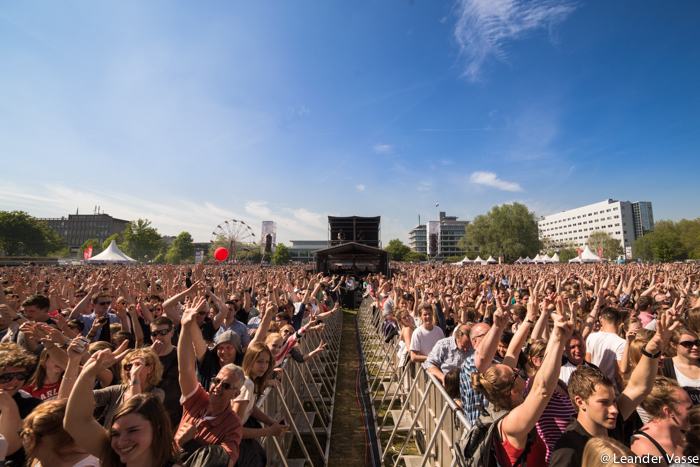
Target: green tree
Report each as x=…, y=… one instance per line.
x=117, y=237
x=665, y=242
x=97, y=247
x=689, y=233
x=414, y=257
x=252, y=255
x=281, y=254
x=565, y=254
x=181, y=250
x=610, y=246
x=141, y=241
x=22, y=234
x=397, y=250
x=509, y=230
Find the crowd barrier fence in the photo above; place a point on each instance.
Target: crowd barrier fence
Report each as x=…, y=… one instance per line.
x=304, y=398
x=417, y=421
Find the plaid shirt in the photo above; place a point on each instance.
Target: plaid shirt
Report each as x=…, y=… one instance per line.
x=472, y=402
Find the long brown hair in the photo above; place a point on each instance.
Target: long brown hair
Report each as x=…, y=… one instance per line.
x=150, y=408
x=251, y=354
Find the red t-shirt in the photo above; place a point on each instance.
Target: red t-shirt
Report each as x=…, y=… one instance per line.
x=507, y=455
x=224, y=429
x=44, y=393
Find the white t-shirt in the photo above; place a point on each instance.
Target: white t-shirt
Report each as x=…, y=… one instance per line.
x=247, y=394
x=606, y=349
x=423, y=341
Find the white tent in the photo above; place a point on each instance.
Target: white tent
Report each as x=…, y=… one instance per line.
x=112, y=255
x=464, y=260
x=519, y=260
x=478, y=260
x=491, y=260
x=527, y=260
x=589, y=257
x=554, y=258
x=539, y=259
x=575, y=260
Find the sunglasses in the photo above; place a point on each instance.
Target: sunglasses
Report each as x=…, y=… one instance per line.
x=104, y=303
x=516, y=373
x=160, y=332
x=690, y=344
x=7, y=377
x=224, y=384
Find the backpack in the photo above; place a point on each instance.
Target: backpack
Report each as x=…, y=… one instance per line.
x=477, y=448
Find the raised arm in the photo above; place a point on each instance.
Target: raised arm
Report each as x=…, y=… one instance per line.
x=521, y=420
x=79, y=421
x=516, y=343
x=489, y=345
x=185, y=350
x=642, y=378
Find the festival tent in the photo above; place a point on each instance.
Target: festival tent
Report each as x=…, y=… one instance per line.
x=589, y=257
x=491, y=260
x=539, y=259
x=478, y=260
x=519, y=260
x=464, y=260
x=527, y=260
x=554, y=258
x=112, y=255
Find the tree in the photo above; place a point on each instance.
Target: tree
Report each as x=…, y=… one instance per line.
x=509, y=230
x=397, y=250
x=663, y=244
x=281, y=254
x=565, y=254
x=117, y=237
x=22, y=234
x=252, y=255
x=689, y=233
x=603, y=241
x=141, y=241
x=97, y=247
x=414, y=257
x=181, y=250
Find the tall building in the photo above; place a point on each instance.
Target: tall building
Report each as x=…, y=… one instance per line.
x=78, y=228
x=445, y=235
x=643, y=218
x=573, y=227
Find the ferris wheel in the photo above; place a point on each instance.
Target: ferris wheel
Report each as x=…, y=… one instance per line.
x=236, y=235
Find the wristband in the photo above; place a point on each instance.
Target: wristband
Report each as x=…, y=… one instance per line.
x=650, y=355
x=529, y=321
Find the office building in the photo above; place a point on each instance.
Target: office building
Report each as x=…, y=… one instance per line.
x=76, y=229
x=445, y=235
x=617, y=218
x=303, y=250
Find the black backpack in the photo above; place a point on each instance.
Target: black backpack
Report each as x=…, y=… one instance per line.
x=478, y=447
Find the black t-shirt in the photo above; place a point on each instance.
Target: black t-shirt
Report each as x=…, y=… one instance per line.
x=171, y=386
x=25, y=405
x=208, y=331
x=568, y=452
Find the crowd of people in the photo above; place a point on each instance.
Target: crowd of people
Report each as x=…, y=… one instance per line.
x=561, y=365
x=150, y=365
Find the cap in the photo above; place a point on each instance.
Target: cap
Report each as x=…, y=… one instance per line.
x=228, y=337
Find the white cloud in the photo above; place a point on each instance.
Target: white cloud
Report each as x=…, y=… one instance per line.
x=383, y=148
x=491, y=180
x=485, y=26
x=425, y=186
x=360, y=187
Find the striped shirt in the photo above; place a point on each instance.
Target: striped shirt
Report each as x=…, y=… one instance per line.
x=558, y=414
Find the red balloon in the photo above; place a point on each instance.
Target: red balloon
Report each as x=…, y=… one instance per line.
x=221, y=254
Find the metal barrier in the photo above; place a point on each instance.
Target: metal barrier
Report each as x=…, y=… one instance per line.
x=412, y=399
x=304, y=398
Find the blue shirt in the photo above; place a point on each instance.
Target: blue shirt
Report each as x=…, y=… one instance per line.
x=445, y=355
x=473, y=402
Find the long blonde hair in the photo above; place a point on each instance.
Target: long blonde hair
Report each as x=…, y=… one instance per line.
x=598, y=449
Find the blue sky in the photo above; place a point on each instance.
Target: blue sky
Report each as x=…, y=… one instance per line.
x=191, y=113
